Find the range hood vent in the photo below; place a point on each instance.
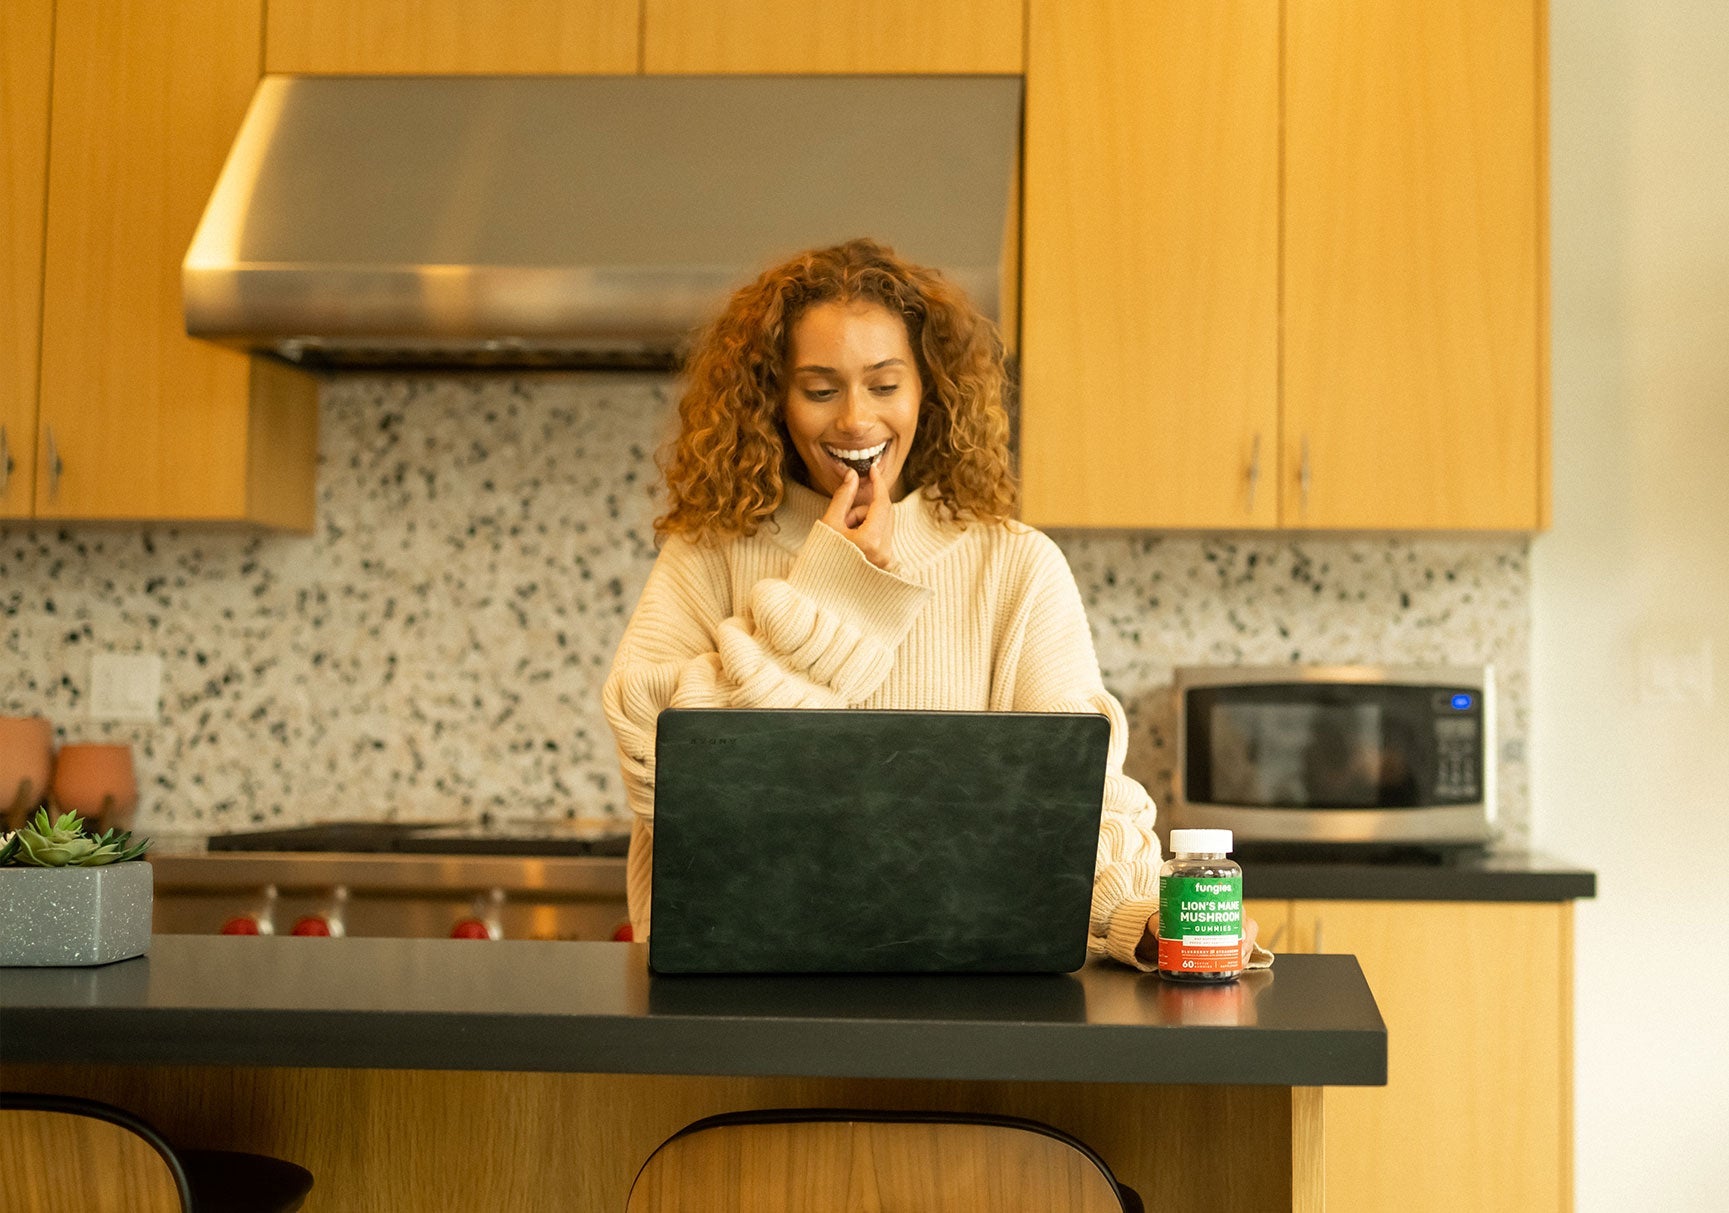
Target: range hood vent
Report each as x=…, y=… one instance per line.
x=580, y=221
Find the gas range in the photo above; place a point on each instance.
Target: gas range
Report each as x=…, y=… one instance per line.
x=399, y=879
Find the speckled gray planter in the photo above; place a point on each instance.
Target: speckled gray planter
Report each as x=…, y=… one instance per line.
x=74, y=916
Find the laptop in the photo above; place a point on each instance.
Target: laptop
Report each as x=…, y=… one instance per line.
x=852, y=841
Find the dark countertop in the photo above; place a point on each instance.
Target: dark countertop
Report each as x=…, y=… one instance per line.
x=594, y=1007
x=1464, y=876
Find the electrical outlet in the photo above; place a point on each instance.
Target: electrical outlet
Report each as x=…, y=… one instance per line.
x=125, y=686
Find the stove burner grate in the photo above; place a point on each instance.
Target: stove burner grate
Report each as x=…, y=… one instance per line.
x=412, y=838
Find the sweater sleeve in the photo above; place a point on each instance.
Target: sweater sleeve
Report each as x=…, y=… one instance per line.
x=1056, y=670
x=822, y=637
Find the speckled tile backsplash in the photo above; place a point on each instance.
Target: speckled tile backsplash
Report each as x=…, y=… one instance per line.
x=1156, y=603
x=437, y=648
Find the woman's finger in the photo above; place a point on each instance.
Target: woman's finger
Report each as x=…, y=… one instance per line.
x=840, y=505
x=880, y=513
x=877, y=529
x=1251, y=932
x=879, y=491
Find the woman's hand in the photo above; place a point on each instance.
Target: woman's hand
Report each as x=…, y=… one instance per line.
x=868, y=528
x=1147, y=951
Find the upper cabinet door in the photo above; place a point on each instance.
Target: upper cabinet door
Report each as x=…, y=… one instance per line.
x=1150, y=310
x=1414, y=388
x=833, y=36
x=138, y=420
x=26, y=50
x=453, y=37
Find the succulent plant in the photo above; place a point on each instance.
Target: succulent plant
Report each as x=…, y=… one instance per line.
x=64, y=844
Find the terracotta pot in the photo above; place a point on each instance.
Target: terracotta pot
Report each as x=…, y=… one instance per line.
x=95, y=781
x=26, y=759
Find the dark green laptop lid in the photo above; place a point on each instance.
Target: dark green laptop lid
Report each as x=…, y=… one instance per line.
x=852, y=841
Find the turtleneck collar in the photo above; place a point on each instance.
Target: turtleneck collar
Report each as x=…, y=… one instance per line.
x=920, y=533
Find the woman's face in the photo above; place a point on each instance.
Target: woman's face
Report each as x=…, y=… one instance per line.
x=852, y=396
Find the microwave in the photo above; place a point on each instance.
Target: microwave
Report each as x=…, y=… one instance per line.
x=1388, y=755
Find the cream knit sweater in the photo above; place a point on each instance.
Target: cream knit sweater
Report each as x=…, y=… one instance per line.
x=985, y=618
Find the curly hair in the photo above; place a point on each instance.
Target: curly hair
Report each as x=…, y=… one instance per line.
x=726, y=470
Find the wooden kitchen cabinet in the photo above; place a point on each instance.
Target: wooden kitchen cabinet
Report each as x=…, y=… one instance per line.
x=1477, y=1110
x=26, y=51
x=1349, y=316
x=1272, y=917
x=1150, y=297
x=137, y=420
x=453, y=37
x=1415, y=265
x=833, y=36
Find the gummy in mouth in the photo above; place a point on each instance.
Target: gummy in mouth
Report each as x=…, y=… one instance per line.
x=861, y=466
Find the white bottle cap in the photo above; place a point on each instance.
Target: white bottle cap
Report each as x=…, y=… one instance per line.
x=1200, y=842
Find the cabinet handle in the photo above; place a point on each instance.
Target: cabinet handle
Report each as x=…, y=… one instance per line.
x=55, y=466
x=1254, y=470
x=1320, y=936
x=1274, y=941
x=5, y=462
x=1304, y=479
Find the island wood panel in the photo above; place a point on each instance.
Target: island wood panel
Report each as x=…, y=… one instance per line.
x=461, y=1140
x=1150, y=341
x=1413, y=265
x=835, y=36
x=60, y=1162
x=148, y=422
x=1477, y=1110
x=822, y=1166
x=452, y=37
x=26, y=50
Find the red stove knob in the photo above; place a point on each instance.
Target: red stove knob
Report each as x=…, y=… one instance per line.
x=312, y=924
x=470, y=928
x=243, y=924
x=624, y=933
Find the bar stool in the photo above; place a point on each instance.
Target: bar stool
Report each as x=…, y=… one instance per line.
x=70, y=1155
x=833, y=1160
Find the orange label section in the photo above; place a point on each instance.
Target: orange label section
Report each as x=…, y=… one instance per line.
x=1176, y=956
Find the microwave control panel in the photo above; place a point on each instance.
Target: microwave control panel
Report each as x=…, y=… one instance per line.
x=1458, y=758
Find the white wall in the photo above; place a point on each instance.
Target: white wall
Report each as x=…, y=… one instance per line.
x=1634, y=578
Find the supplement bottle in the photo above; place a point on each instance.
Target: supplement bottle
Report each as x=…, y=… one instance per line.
x=1200, y=909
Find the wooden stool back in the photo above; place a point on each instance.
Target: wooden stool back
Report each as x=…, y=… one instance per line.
x=831, y=1163
x=64, y=1161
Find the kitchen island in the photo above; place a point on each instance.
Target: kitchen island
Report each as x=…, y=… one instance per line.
x=442, y=1074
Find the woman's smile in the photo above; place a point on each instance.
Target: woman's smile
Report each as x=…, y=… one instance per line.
x=859, y=460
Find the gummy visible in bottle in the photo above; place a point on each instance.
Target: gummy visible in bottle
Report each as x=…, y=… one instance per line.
x=1200, y=909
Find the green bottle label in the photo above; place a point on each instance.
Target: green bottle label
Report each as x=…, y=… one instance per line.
x=1201, y=908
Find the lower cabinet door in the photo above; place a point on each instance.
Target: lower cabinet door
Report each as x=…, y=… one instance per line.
x=1477, y=1110
x=1274, y=920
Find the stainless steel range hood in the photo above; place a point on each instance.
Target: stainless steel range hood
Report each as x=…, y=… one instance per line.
x=580, y=221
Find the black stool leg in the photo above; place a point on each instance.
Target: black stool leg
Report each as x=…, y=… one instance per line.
x=223, y=1181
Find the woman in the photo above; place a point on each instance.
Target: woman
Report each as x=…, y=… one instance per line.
x=839, y=535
